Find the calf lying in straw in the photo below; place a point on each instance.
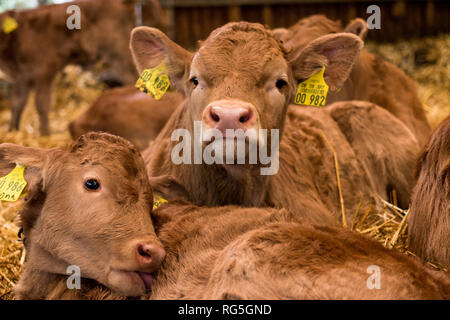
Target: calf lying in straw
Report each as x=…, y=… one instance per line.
x=128, y=113
x=91, y=209
x=242, y=80
x=371, y=78
x=429, y=218
x=88, y=206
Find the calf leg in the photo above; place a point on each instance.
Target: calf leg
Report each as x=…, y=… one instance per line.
x=18, y=101
x=42, y=101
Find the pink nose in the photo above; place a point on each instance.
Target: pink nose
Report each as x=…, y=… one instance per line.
x=150, y=256
x=225, y=115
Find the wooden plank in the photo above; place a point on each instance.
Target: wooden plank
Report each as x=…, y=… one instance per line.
x=209, y=3
x=234, y=13
x=267, y=16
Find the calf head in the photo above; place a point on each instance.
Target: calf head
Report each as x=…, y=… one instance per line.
x=88, y=205
x=240, y=77
x=307, y=29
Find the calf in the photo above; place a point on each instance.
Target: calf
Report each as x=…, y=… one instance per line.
x=429, y=218
x=128, y=113
x=371, y=78
x=250, y=253
x=42, y=45
x=232, y=252
x=88, y=206
x=240, y=79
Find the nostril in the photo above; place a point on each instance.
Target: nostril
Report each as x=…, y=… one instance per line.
x=144, y=251
x=245, y=117
x=214, y=116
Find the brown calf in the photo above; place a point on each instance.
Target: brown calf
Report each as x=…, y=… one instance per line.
x=255, y=253
x=88, y=205
x=42, y=45
x=238, y=253
x=240, y=78
x=371, y=78
x=429, y=220
x=128, y=113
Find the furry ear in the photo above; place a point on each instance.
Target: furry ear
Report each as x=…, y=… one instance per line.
x=337, y=52
x=282, y=34
x=168, y=187
x=358, y=27
x=34, y=160
x=150, y=47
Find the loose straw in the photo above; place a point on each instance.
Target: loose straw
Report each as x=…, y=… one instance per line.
x=336, y=165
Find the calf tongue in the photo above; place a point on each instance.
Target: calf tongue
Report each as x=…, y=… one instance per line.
x=147, y=278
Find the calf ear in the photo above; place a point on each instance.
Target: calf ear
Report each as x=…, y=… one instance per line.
x=168, y=187
x=337, y=52
x=358, y=27
x=282, y=34
x=150, y=47
x=34, y=160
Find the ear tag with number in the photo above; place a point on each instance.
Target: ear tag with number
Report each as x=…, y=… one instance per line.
x=12, y=185
x=313, y=91
x=9, y=25
x=158, y=201
x=154, y=82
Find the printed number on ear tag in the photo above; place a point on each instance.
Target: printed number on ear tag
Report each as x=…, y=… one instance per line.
x=12, y=185
x=9, y=25
x=158, y=201
x=313, y=91
x=154, y=82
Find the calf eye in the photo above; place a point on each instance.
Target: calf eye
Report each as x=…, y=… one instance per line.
x=194, y=80
x=280, y=83
x=92, y=184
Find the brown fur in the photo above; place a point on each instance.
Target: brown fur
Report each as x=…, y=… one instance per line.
x=42, y=46
x=371, y=79
x=429, y=220
x=237, y=253
x=128, y=113
x=256, y=253
x=66, y=224
x=376, y=152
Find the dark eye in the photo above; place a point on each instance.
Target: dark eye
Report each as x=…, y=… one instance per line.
x=280, y=83
x=92, y=184
x=194, y=80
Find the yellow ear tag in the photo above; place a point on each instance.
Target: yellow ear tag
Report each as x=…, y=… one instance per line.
x=12, y=185
x=9, y=25
x=154, y=82
x=313, y=91
x=158, y=201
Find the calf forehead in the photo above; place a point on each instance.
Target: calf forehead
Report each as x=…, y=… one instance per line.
x=239, y=51
x=118, y=157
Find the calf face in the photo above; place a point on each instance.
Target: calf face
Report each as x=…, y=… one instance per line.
x=240, y=78
x=88, y=205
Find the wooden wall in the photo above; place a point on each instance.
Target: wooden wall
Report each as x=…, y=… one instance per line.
x=191, y=20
